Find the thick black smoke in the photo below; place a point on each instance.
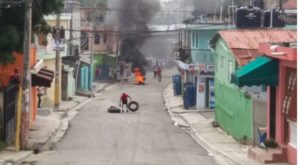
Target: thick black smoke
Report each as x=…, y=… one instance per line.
x=133, y=19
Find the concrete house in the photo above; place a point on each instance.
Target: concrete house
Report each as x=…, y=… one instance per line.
x=202, y=69
x=104, y=46
x=277, y=66
x=241, y=110
x=46, y=53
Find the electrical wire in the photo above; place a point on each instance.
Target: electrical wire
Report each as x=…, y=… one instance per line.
x=5, y=4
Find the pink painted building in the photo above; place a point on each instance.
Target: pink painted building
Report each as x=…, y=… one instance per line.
x=105, y=41
x=282, y=100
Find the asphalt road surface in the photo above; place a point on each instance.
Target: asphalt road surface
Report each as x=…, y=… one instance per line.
x=145, y=137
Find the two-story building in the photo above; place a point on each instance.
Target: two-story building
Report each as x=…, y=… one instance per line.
x=100, y=40
x=202, y=66
x=46, y=51
x=197, y=63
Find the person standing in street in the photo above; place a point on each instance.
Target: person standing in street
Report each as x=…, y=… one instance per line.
x=124, y=101
x=159, y=74
x=154, y=71
x=40, y=93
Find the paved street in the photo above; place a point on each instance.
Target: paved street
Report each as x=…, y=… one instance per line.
x=144, y=137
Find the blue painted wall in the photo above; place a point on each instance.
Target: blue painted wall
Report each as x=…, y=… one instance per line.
x=201, y=53
x=85, y=78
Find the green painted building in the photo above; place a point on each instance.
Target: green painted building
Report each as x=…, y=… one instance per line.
x=232, y=106
x=103, y=64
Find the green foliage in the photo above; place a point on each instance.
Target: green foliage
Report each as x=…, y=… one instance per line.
x=271, y=143
x=9, y=39
x=2, y=145
x=12, y=25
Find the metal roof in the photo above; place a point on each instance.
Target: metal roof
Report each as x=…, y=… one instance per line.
x=244, y=43
x=250, y=39
x=244, y=56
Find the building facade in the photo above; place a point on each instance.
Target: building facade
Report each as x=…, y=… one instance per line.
x=282, y=99
x=235, y=105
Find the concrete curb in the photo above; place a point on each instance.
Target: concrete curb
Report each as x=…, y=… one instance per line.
x=13, y=157
x=204, y=143
x=17, y=158
x=209, y=147
x=72, y=112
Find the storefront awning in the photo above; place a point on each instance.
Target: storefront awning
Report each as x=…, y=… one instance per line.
x=262, y=71
x=43, y=78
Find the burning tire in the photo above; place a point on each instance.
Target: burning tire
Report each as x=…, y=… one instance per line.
x=133, y=106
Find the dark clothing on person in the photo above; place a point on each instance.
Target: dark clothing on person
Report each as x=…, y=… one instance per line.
x=159, y=74
x=124, y=100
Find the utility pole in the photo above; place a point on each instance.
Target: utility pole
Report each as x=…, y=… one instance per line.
x=26, y=78
x=57, y=63
x=92, y=51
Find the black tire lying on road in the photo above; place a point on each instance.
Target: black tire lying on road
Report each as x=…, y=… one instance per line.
x=113, y=109
x=133, y=106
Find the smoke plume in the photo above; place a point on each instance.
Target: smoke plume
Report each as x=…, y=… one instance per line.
x=133, y=19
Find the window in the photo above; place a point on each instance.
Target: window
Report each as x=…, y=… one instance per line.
x=230, y=70
x=104, y=38
x=222, y=62
x=196, y=39
x=193, y=39
x=216, y=67
x=97, y=39
x=84, y=41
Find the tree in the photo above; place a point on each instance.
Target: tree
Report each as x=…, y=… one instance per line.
x=12, y=25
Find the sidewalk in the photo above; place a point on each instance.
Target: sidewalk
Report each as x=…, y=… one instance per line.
x=226, y=150
x=50, y=126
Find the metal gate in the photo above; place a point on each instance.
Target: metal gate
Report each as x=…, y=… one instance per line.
x=9, y=113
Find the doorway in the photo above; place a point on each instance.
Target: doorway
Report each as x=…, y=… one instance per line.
x=272, y=112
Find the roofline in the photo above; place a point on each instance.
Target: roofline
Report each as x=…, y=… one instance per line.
x=212, y=43
x=209, y=27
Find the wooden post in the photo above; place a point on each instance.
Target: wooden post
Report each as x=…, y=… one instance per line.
x=57, y=63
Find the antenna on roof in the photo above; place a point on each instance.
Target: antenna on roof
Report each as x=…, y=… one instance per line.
x=221, y=11
x=231, y=10
x=215, y=11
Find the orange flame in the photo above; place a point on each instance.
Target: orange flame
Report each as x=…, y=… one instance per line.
x=139, y=78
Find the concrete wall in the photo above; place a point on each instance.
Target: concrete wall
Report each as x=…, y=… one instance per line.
x=1, y=112
x=65, y=21
x=71, y=84
x=68, y=85
x=201, y=54
x=48, y=98
x=233, y=111
x=259, y=117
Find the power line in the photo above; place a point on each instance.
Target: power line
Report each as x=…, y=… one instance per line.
x=126, y=10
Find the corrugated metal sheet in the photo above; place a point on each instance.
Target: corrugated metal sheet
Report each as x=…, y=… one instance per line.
x=250, y=39
x=244, y=56
x=244, y=43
